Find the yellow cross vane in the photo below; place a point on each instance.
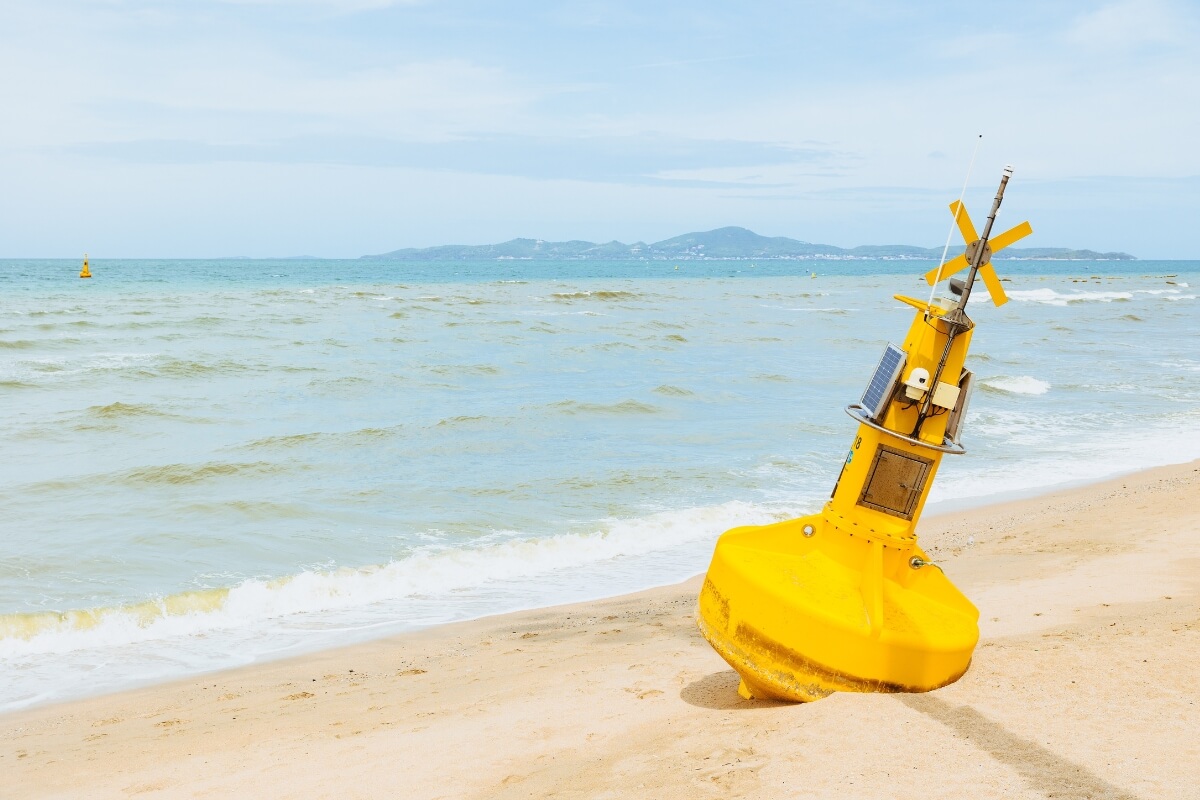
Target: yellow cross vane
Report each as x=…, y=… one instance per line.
x=990, y=247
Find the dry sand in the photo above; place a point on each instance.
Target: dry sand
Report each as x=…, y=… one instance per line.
x=1085, y=685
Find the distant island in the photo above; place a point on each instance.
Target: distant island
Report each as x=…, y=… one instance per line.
x=721, y=244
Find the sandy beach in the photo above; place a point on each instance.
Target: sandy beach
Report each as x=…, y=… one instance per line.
x=1085, y=685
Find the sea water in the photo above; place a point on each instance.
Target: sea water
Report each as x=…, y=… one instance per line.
x=209, y=463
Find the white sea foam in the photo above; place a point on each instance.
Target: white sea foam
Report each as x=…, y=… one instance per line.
x=433, y=572
x=1172, y=440
x=1022, y=384
x=1051, y=297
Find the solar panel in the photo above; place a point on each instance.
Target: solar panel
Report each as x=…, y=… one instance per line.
x=879, y=390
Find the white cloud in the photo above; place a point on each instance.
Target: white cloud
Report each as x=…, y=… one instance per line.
x=336, y=6
x=422, y=98
x=1131, y=24
x=1110, y=92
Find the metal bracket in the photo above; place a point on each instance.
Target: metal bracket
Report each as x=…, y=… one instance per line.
x=860, y=414
x=973, y=247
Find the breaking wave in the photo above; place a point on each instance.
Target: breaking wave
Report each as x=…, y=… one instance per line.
x=599, y=294
x=429, y=573
x=1051, y=297
x=1022, y=384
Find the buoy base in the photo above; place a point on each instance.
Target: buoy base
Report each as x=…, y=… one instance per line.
x=801, y=617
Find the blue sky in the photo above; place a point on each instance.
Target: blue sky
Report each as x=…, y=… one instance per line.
x=144, y=128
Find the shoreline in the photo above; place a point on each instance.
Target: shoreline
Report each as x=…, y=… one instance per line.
x=328, y=640
x=1086, y=629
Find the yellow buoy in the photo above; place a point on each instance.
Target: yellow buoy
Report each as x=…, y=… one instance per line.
x=845, y=600
x=85, y=273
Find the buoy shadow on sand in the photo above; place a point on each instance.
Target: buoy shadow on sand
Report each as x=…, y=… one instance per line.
x=719, y=692
x=1042, y=770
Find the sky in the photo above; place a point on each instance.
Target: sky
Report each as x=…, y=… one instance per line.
x=337, y=128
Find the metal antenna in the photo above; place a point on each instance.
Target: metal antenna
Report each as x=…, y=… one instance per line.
x=954, y=222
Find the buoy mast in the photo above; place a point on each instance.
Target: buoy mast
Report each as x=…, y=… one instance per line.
x=978, y=253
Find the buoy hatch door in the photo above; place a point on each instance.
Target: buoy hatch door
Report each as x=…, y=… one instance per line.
x=895, y=482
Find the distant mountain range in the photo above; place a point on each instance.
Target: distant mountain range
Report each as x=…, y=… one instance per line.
x=722, y=243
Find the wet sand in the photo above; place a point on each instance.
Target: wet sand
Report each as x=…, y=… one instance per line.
x=1085, y=684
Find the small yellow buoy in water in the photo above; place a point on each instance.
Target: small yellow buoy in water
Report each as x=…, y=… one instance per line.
x=85, y=272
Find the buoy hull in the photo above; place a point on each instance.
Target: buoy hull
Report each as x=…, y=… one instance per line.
x=800, y=617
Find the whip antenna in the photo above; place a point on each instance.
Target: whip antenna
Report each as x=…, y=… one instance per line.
x=954, y=222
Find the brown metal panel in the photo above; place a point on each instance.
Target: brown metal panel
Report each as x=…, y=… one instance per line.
x=895, y=482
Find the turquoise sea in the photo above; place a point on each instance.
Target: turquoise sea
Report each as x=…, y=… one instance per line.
x=208, y=463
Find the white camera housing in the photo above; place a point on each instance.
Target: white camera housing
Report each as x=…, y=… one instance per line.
x=917, y=383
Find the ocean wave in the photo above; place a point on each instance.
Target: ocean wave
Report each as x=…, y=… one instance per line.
x=606, y=295
x=624, y=407
x=607, y=346
x=179, y=474
x=432, y=572
x=346, y=383
x=35, y=371
x=463, y=369
x=1022, y=384
x=334, y=438
x=120, y=410
x=1187, y=364
x=542, y=313
x=187, y=368
x=462, y=420
x=672, y=391
x=47, y=312
x=113, y=415
x=146, y=365
x=1051, y=297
